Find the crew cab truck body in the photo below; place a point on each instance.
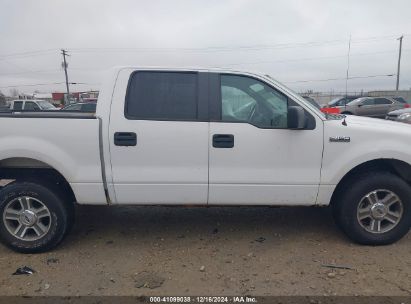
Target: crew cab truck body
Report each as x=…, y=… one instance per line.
x=200, y=137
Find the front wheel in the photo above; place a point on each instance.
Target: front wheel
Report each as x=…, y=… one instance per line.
x=33, y=218
x=374, y=208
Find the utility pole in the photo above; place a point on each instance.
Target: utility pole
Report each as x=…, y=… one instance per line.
x=399, y=63
x=64, y=64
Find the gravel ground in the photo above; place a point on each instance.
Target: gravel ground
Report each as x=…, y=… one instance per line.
x=208, y=251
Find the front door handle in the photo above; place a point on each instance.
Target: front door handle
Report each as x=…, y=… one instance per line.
x=125, y=139
x=223, y=141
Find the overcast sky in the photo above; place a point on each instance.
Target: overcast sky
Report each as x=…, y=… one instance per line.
x=295, y=41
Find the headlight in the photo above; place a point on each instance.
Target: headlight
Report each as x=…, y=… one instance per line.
x=406, y=117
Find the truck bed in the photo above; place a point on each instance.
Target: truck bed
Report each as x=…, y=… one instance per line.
x=67, y=142
x=47, y=114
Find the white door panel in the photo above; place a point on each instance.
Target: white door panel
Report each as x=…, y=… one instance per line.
x=167, y=154
x=168, y=164
x=254, y=157
x=172, y=194
x=246, y=194
x=265, y=166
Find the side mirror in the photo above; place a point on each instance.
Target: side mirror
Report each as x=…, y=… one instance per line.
x=296, y=118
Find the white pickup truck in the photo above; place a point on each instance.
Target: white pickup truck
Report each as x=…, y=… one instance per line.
x=200, y=137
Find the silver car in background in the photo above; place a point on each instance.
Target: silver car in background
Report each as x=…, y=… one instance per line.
x=371, y=106
x=403, y=115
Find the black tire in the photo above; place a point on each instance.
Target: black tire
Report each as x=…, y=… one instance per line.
x=60, y=214
x=346, y=113
x=349, y=198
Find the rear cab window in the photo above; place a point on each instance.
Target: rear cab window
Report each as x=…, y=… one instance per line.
x=157, y=95
x=18, y=105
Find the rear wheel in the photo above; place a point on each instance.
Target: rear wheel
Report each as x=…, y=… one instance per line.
x=33, y=218
x=374, y=208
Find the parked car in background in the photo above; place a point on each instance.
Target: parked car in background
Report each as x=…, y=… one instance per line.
x=31, y=105
x=89, y=107
x=401, y=99
x=330, y=110
x=312, y=101
x=371, y=106
x=5, y=108
x=403, y=115
x=341, y=101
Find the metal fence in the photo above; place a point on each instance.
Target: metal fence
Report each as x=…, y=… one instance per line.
x=324, y=97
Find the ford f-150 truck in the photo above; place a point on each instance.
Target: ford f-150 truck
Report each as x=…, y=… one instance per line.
x=200, y=137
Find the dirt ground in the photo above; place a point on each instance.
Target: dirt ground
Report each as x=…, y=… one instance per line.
x=208, y=251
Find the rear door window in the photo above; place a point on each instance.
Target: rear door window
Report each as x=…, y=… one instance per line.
x=382, y=101
x=89, y=107
x=153, y=95
x=74, y=107
x=31, y=106
x=368, y=102
x=18, y=105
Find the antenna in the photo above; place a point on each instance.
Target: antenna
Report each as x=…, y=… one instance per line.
x=348, y=67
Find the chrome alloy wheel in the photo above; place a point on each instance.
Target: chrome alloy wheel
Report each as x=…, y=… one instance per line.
x=27, y=218
x=380, y=211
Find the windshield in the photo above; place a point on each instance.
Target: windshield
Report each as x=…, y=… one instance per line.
x=45, y=105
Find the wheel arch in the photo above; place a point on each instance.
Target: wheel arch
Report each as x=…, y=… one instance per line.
x=30, y=169
x=394, y=166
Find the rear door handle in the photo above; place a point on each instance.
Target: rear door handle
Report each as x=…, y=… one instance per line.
x=125, y=139
x=223, y=141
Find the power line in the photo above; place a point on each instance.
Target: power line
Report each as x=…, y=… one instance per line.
x=227, y=64
x=30, y=72
x=311, y=58
x=31, y=85
x=50, y=83
x=203, y=49
x=26, y=54
x=333, y=79
x=222, y=49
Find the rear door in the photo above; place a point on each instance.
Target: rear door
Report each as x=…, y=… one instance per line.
x=382, y=106
x=31, y=106
x=158, y=137
x=254, y=157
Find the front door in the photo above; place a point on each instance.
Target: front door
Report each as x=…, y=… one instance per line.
x=159, y=139
x=254, y=157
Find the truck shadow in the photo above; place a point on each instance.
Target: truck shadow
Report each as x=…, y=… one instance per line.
x=250, y=224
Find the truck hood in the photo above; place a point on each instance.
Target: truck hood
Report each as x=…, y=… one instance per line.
x=371, y=127
x=378, y=124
